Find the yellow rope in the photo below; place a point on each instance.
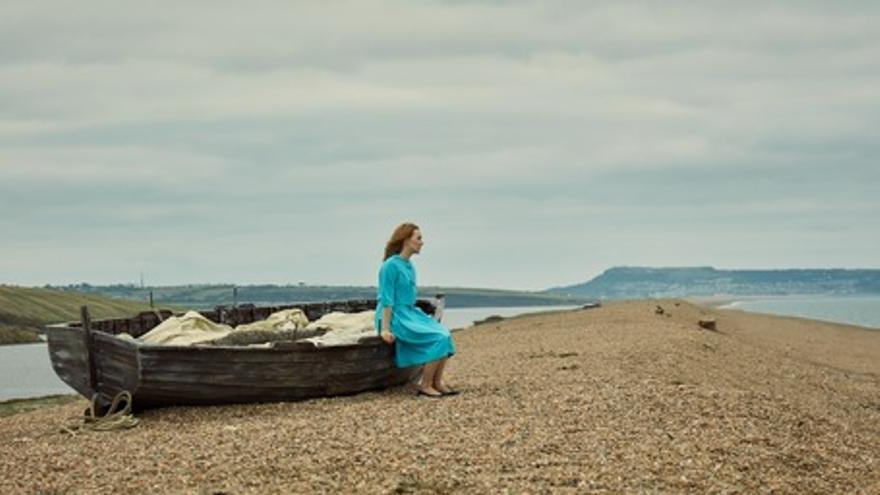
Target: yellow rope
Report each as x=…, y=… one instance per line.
x=114, y=419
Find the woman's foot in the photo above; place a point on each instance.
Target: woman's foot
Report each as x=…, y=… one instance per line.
x=443, y=389
x=430, y=392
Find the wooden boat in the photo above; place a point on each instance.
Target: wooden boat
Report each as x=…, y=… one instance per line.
x=88, y=356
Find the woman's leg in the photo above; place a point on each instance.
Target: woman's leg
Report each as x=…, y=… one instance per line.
x=429, y=371
x=438, y=376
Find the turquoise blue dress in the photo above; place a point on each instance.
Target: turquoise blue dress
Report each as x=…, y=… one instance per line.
x=418, y=338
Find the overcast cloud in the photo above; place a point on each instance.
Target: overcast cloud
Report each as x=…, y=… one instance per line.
x=536, y=143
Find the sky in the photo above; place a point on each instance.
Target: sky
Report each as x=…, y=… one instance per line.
x=535, y=143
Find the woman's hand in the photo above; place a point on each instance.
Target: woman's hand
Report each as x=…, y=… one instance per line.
x=387, y=336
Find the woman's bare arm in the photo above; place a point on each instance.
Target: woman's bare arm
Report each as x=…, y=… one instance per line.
x=386, y=334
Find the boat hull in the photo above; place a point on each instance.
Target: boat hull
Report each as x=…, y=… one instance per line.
x=205, y=375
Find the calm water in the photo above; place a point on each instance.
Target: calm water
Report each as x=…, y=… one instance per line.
x=856, y=310
x=25, y=370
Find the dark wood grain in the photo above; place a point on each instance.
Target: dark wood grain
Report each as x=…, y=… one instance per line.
x=86, y=324
x=170, y=375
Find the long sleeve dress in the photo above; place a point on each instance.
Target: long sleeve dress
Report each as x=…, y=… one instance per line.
x=419, y=339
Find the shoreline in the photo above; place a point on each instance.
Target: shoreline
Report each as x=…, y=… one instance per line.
x=724, y=299
x=12, y=407
x=821, y=308
x=18, y=336
x=41, y=341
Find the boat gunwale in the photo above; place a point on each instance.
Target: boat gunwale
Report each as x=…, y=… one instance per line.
x=286, y=347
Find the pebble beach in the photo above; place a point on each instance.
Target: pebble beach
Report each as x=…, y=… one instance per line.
x=606, y=400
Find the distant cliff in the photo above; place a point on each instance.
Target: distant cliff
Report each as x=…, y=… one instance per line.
x=637, y=282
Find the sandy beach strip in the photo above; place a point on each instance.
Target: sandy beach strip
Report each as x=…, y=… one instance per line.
x=615, y=399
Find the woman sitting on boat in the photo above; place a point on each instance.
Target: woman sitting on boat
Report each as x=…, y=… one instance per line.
x=418, y=339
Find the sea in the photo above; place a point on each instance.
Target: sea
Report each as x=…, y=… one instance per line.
x=26, y=371
x=855, y=310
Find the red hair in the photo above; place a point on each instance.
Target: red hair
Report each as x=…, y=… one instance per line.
x=395, y=245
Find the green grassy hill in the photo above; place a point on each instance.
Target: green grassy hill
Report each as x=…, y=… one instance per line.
x=24, y=311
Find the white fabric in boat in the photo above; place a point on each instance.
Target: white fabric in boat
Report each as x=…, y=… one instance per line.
x=342, y=328
x=287, y=319
x=191, y=328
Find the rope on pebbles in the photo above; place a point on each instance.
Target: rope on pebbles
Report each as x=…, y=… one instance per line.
x=114, y=419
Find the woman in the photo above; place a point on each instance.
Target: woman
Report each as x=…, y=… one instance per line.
x=418, y=338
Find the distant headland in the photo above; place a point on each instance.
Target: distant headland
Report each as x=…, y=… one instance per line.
x=640, y=282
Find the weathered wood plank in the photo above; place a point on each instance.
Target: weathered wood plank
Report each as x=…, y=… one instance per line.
x=353, y=378
x=159, y=375
x=109, y=343
x=150, y=355
x=118, y=364
x=68, y=355
x=86, y=324
x=232, y=374
x=157, y=394
x=162, y=399
x=280, y=362
x=220, y=392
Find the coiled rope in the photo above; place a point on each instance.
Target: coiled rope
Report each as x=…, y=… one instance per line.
x=115, y=418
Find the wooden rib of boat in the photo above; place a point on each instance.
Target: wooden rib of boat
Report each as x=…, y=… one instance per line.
x=88, y=356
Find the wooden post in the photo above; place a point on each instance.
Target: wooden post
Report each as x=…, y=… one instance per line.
x=151, y=299
x=86, y=321
x=234, y=296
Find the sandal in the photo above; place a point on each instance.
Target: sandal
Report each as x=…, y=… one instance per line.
x=430, y=396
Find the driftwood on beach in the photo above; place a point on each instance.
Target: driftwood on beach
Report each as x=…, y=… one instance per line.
x=89, y=357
